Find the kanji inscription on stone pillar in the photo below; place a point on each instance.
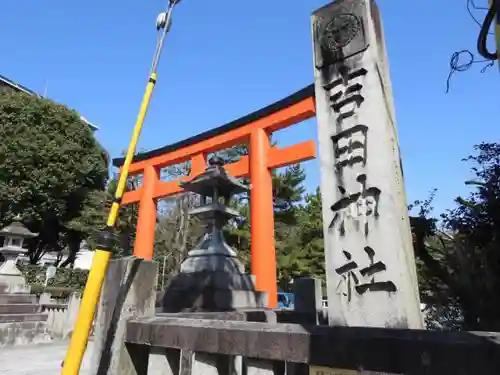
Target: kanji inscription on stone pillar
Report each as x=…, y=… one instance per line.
x=371, y=272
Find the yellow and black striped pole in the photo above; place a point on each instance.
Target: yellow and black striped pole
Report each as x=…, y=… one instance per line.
x=79, y=338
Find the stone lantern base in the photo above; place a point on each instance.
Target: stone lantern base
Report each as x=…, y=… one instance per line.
x=212, y=282
x=212, y=279
x=10, y=276
x=212, y=291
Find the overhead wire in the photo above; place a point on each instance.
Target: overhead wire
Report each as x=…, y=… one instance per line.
x=457, y=66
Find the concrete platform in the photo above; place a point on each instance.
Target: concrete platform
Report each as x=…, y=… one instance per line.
x=42, y=359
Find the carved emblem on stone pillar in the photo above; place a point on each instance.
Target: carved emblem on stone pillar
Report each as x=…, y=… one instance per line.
x=340, y=31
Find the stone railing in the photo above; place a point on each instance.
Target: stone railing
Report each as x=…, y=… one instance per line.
x=61, y=318
x=131, y=339
x=177, y=346
x=49, y=299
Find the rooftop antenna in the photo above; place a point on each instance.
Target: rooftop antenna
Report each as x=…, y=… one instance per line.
x=45, y=88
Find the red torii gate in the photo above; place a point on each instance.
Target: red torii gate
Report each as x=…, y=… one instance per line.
x=255, y=130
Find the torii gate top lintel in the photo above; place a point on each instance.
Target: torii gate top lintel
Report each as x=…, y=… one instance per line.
x=300, y=103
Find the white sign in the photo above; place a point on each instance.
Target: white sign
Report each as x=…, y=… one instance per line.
x=316, y=370
x=50, y=274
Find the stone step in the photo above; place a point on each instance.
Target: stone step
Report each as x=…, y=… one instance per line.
x=17, y=298
x=14, y=289
x=23, y=333
x=38, y=317
x=18, y=308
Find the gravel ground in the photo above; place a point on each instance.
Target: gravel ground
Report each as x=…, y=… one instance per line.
x=42, y=359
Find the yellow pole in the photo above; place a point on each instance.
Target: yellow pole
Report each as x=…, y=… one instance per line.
x=79, y=338
x=97, y=273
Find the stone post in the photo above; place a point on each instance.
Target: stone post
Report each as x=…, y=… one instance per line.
x=45, y=299
x=308, y=297
x=71, y=314
x=128, y=292
x=371, y=273
x=308, y=302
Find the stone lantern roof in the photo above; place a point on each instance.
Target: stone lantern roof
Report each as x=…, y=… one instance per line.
x=17, y=229
x=213, y=178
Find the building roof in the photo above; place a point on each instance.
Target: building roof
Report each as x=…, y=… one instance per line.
x=18, y=87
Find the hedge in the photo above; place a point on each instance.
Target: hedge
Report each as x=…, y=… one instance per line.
x=54, y=291
x=67, y=280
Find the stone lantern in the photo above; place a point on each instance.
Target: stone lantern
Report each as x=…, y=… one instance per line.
x=14, y=235
x=216, y=188
x=211, y=277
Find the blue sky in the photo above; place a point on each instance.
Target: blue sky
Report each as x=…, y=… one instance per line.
x=226, y=58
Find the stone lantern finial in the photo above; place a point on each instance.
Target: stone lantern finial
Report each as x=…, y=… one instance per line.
x=216, y=161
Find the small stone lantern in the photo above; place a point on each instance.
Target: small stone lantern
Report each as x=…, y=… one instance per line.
x=14, y=234
x=211, y=277
x=213, y=253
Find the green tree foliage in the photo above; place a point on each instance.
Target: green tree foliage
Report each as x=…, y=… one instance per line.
x=93, y=218
x=461, y=260
x=51, y=171
x=311, y=234
x=84, y=226
x=288, y=190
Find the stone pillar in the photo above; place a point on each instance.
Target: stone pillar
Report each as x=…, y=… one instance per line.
x=128, y=292
x=371, y=273
x=308, y=297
